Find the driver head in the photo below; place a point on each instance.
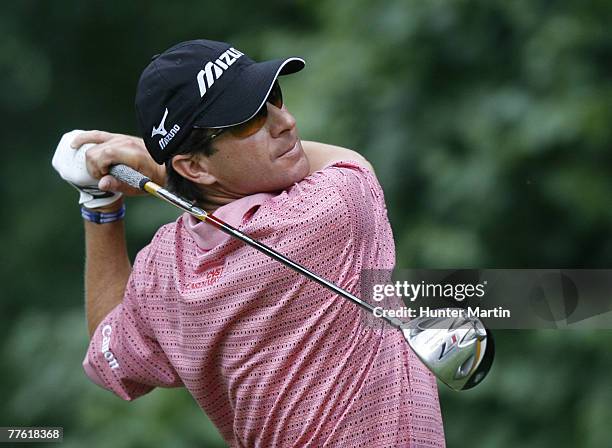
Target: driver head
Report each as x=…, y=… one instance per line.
x=458, y=350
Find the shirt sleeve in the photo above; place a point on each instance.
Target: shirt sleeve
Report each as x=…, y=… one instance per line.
x=365, y=210
x=357, y=186
x=337, y=213
x=123, y=356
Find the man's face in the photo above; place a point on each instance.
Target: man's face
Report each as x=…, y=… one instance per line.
x=271, y=159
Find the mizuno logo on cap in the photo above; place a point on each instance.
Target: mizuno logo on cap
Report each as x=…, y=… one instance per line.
x=214, y=70
x=160, y=129
x=164, y=141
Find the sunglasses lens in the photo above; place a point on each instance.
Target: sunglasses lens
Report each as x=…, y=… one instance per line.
x=250, y=127
x=276, y=96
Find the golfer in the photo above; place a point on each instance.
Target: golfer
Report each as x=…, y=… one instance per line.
x=274, y=359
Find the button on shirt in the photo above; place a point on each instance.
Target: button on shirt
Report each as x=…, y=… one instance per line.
x=274, y=359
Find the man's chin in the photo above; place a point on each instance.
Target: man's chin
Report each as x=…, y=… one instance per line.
x=302, y=167
x=289, y=181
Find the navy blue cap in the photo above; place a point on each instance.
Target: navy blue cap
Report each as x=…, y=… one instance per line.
x=201, y=83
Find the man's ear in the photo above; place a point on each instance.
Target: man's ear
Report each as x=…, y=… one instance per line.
x=193, y=168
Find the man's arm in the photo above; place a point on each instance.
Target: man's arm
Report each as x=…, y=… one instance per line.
x=107, y=267
x=321, y=155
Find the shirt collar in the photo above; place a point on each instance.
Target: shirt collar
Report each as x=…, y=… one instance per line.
x=235, y=214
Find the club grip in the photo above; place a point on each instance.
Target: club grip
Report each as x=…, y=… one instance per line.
x=129, y=175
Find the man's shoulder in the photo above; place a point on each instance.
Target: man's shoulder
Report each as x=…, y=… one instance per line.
x=329, y=193
x=344, y=176
x=321, y=155
x=338, y=172
x=163, y=242
x=347, y=170
x=166, y=233
x=320, y=187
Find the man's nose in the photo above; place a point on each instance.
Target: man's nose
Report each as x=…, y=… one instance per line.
x=279, y=120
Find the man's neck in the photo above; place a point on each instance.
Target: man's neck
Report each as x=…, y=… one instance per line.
x=213, y=199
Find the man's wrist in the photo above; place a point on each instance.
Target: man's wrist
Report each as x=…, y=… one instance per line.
x=110, y=208
x=104, y=215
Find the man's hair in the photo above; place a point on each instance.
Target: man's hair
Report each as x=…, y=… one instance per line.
x=196, y=143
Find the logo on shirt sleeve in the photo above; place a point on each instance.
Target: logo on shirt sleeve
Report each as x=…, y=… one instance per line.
x=108, y=355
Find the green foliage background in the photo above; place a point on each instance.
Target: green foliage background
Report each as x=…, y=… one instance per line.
x=487, y=121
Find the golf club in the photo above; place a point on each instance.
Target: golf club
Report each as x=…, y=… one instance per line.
x=459, y=351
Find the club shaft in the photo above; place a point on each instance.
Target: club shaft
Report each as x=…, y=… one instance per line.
x=156, y=190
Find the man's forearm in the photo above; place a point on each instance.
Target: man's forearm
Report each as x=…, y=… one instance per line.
x=321, y=154
x=107, y=269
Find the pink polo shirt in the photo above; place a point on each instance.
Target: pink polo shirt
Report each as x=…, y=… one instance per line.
x=274, y=359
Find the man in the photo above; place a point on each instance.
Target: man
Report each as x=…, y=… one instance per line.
x=274, y=359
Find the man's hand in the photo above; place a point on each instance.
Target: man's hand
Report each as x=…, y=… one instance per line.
x=70, y=164
x=110, y=149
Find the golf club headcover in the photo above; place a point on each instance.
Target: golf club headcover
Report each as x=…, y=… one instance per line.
x=70, y=164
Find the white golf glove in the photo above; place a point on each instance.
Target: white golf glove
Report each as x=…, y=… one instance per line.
x=70, y=164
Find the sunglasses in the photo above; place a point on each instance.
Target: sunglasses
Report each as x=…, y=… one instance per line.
x=253, y=125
